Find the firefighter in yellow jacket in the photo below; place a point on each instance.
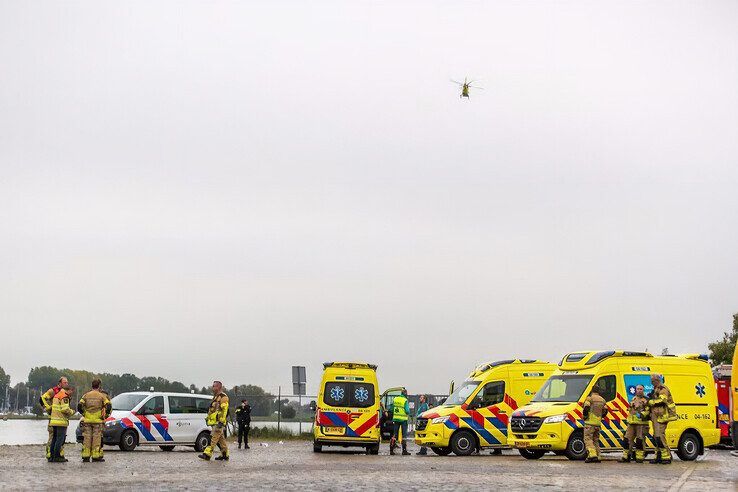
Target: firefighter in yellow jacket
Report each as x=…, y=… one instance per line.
x=46, y=400
x=59, y=421
x=663, y=411
x=94, y=406
x=638, y=418
x=593, y=411
x=216, y=419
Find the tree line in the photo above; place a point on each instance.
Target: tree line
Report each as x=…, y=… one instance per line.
x=40, y=379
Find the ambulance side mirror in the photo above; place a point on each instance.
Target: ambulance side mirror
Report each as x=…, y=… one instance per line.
x=313, y=406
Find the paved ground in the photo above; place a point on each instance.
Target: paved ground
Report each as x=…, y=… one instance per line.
x=293, y=465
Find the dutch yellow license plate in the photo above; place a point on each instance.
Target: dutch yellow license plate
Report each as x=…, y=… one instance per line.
x=335, y=431
x=521, y=444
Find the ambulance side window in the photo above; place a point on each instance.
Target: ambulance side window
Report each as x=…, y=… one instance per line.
x=609, y=386
x=492, y=394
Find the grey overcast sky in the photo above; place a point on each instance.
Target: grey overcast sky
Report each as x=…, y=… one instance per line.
x=203, y=190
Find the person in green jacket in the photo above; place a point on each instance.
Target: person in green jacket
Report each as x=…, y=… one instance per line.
x=422, y=407
x=400, y=413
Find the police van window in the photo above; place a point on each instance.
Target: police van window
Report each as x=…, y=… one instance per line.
x=361, y=395
x=336, y=394
x=608, y=385
x=563, y=388
x=182, y=404
x=126, y=401
x=153, y=406
x=491, y=394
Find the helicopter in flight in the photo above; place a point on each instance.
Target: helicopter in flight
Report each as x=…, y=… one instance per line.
x=465, y=86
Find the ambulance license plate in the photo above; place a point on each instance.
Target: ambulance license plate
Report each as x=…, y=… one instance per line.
x=336, y=431
x=521, y=444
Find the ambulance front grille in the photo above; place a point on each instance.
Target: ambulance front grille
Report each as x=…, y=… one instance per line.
x=525, y=424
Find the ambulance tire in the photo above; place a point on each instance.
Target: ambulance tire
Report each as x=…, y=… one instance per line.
x=202, y=441
x=463, y=443
x=128, y=440
x=442, y=451
x=373, y=449
x=689, y=446
x=317, y=447
x=575, y=448
x=167, y=448
x=531, y=454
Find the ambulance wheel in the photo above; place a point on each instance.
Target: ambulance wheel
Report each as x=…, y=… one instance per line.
x=442, y=451
x=317, y=447
x=202, y=441
x=373, y=449
x=167, y=448
x=689, y=446
x=463, y=443
x=531, y=454
x=128, y=440
x=575, y=448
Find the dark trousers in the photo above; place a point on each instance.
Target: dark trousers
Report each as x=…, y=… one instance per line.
x=57, y=441
x=397, y=426
x=243, y=433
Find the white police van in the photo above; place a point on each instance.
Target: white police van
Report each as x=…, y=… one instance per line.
x=157, y=419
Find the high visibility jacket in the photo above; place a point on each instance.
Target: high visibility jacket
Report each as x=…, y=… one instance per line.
x=638, y=410
x=400, y=409
x=218, y=411
x=46, y=398
x=94, y=407
x=60, y=410
x=594, y=409
x=662, y=405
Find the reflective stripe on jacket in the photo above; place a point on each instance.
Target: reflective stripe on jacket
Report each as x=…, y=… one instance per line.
x=47, y=398
x=400, y=409
x=638, y=410
x=94, y=407
x=60, y=410
x=218, y=411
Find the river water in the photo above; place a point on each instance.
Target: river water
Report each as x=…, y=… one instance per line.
x=34, y=431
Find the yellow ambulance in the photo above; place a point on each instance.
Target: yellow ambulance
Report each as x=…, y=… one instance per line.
x=347, y=410
x=475, y=416
x=553, y=420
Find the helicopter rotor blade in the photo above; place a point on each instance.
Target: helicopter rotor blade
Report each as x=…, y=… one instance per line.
x=456, y=82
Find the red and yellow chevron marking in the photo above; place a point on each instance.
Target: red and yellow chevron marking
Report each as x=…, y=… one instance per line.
x=356, y=424
x=489, y=423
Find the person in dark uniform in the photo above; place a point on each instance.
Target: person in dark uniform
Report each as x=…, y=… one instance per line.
x=243, y=419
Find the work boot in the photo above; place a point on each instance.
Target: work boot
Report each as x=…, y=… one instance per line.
x=665, y=457
x=393, y=445
x=204, y=456
x=626, y=457
x=60, y=460
x=239, y=445
x=592, y=459
x=246, y=446
x=98, y=460
x=657, y=459
x=221, y=458
x=404, y=450
x=85, y=460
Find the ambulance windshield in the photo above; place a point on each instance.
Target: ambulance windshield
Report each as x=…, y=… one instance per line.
x=563, y=388
x=462, y=393
x=126, y=401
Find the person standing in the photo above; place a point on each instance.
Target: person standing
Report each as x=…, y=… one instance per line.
x=216, y=419
x=94, y=406
x=663, y=411
x=46, y=400
x=637, y=427
x=422, y=407
x=594, y=410
x=59, y=421
x=243, y=419
x=400, y=413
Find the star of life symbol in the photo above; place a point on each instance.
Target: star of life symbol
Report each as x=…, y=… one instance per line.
x=361, y=394
x=632, y=390
x=700, y=389
x=337, y=393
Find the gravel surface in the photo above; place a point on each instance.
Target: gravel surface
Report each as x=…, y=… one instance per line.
x=293, y=465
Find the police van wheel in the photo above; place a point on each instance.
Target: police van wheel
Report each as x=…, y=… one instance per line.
x=167, y=448
x=689, y=447
x=317, y=447
x=531, y=454
x=128, y=440
x=575, y=448
x=442, y=451
x=202, y=441
x=463, y=443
